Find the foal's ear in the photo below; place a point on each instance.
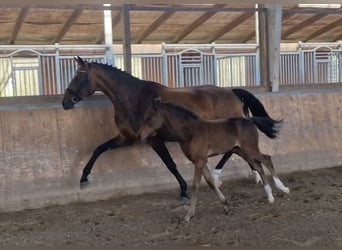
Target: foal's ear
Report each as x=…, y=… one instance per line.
x=156, y=101
x=79, y=61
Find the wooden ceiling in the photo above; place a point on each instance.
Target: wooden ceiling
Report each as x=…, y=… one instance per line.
x=150, y=24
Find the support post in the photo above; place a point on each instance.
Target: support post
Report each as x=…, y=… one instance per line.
x=274, y=18
x=127, y=54
x=263, y=46
x=108, y=35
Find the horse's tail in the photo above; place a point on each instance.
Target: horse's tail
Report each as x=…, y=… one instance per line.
x=268, y=126
x=251, y=103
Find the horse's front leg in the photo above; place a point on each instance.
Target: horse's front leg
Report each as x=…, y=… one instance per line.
x=217, y=172
x=195, y=187
x=160, y=148
x=113, y=143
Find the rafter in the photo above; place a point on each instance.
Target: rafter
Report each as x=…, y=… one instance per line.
x=18, y=24
x=302, y=25
x=199, y=21
x=159, y=21
x=324, y=30
x=230, y=26
x=73, y=17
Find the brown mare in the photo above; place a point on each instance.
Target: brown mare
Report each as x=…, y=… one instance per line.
x=200, y=139
x=131, y=96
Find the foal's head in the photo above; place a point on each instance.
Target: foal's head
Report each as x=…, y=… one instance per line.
x=171, y=117
x=152, y=120
x=79, y=87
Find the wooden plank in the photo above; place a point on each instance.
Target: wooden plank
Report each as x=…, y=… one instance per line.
x=230, y=26
x=18, y=24
x=324, y=30
x=302, y=25
x=252, y=34
x=158, y=22
x=199, y=21
x=73, y=17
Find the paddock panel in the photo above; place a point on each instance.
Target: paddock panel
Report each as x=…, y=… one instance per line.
x=44, y=148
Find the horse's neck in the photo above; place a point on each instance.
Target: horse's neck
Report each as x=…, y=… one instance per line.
x=130, y=96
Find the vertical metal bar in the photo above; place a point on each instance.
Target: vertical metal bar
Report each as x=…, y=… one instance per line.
x=58, y=71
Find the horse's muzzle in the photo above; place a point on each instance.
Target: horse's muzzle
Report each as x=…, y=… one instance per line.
x=68, y=105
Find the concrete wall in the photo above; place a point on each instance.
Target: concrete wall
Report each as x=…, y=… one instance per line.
x=43, y=149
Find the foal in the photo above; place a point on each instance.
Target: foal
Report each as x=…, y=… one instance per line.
x=200, y=139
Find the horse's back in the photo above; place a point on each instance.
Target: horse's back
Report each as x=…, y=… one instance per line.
x=209, y=102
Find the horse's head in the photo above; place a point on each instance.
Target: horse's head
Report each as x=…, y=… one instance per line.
x=152, y=120
x=79, y=87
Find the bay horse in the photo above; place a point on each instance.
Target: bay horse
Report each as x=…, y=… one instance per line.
x=200, y=139
x=130, y=97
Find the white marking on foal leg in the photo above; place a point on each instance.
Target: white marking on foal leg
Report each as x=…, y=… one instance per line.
x=257, y=177
x=280, y=185
x=268, y=190
x=216, y=173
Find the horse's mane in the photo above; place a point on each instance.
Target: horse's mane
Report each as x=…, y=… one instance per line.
x=125, y=75
x=183, y=112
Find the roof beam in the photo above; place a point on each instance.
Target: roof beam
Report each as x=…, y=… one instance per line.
x=230, y=26
x=199, y=21
x=159, y=21
x=73, y=17
x=18, y=24
x=302, y=25
x=324, y=30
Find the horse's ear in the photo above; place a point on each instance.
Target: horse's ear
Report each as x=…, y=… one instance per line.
x=79, y=61
x=156, y=101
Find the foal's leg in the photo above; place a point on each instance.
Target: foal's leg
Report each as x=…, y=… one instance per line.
x=159, y=147
x=256, y=165
x=195, y=187
x=217, y=172
x=113, y=143
x=267, y=161
x=211, y=182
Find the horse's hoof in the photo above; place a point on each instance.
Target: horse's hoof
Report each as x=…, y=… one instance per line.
x=84, y=184
x=183, y=198
x=187, y=218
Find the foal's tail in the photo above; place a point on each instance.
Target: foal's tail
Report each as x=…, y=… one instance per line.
x=263, y=121
x=268, y=126
x=251, y=103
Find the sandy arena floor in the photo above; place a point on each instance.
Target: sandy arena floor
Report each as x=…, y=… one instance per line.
x=311, y=215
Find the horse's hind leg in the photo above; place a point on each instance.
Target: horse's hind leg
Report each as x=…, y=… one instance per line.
x=211, y=182
x=267, y=161
x=159, y=147
x=217, y=172
x=256, y=165
x=113, y=143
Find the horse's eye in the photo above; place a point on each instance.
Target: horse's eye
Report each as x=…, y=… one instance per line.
x=150, y=118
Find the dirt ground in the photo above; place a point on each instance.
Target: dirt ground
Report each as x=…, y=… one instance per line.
x=311, y=215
